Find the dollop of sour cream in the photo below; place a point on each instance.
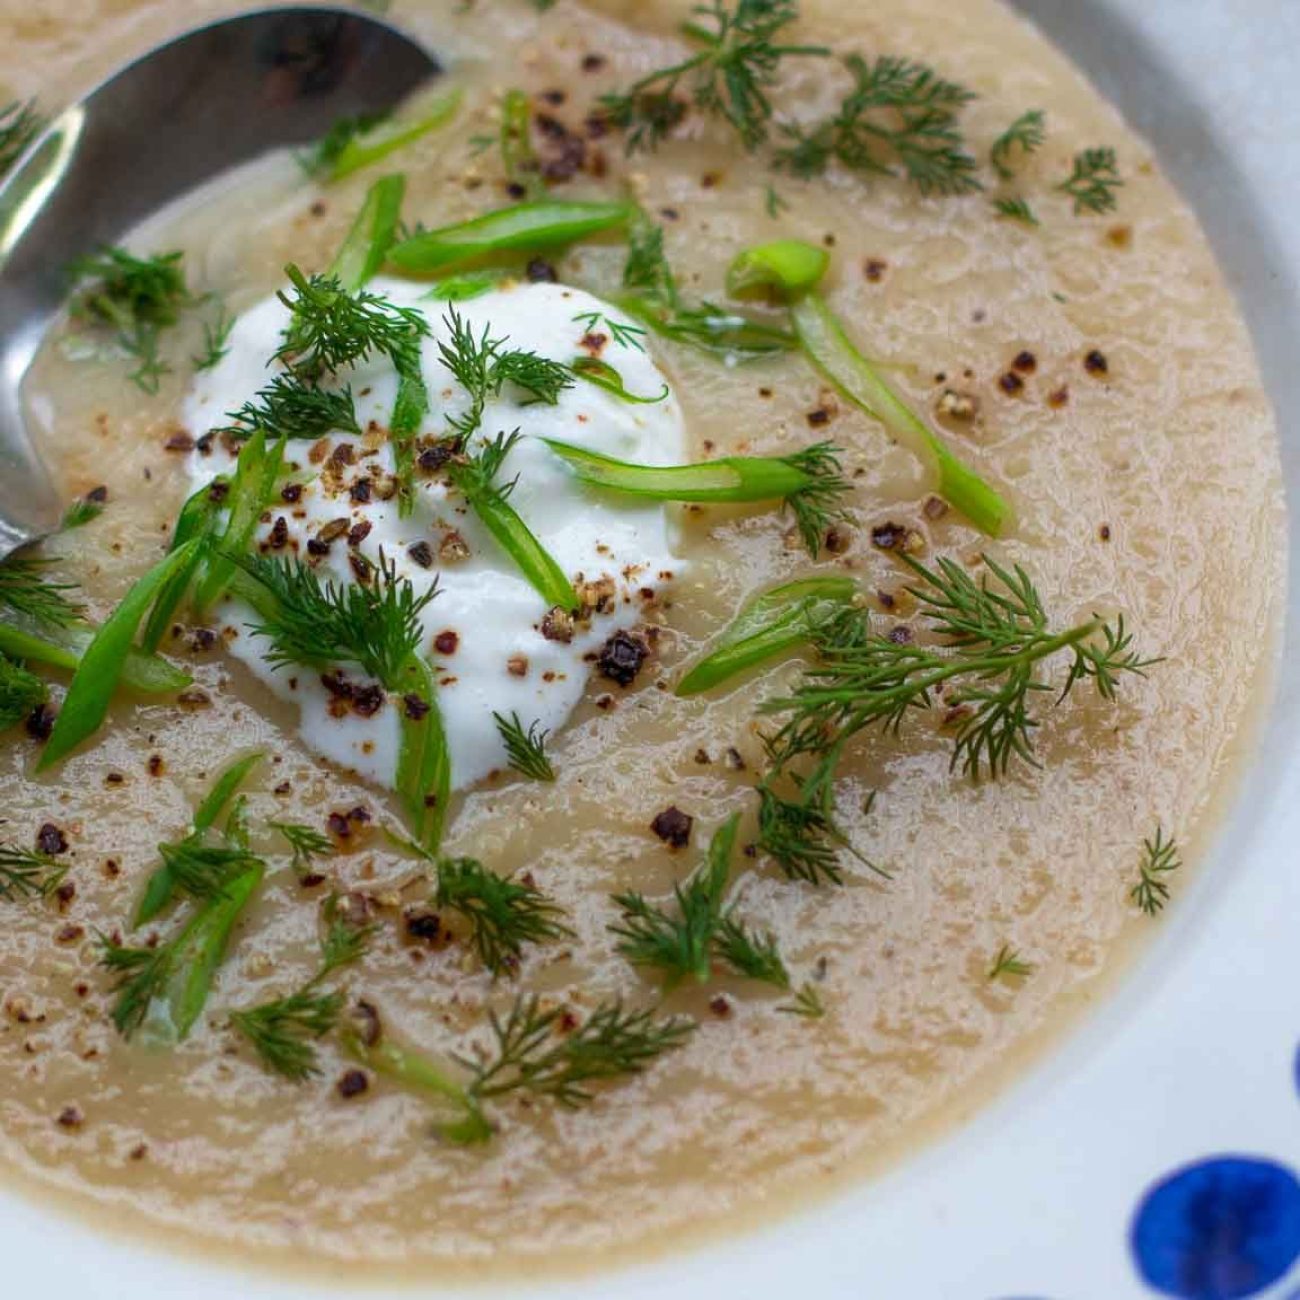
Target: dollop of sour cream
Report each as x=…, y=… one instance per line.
x=486, y=634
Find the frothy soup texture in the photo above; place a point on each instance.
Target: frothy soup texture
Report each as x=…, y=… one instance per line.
x=460, y=654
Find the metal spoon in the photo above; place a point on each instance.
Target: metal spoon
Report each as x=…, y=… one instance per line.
x=177, y=117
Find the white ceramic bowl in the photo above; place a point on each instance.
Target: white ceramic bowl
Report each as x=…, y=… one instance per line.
x=1152, y=1152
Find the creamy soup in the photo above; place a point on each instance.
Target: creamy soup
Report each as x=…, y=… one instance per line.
x=1092, y=368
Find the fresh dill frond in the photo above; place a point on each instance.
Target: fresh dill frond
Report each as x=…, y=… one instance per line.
x=203, y=870
x=141, y=977
x=902, y=118
x=807, y=1002
x=320, y=160
x=1009, y=965
x=289, y=408
x=216, y=339
x=330, y=328
x=799, y=832
x=1093, y=182
x=137, y=298
x=20, y=693
x=1024, y=136
x=20, y=124
x=530, y=1053
x=730, y=78
x=1160, y=859
x=627, y=336
x=306, y=621
x=344, y=942
x=525, y=750
x=1016, y=209
x=646, y=272
x=305, y=843
x=993, y=635
x=26, y=590
x=753, y=955
x=24, y=874
x=773, y=203
x=503, y=914
x=483, y=366
x=284, y=1032
x=817, y=506
x=84, y=510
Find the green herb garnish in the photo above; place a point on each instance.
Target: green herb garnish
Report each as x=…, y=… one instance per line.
x=900, y=118
x=82, y=511
x=809, y=482
x=20, y=124
x=24, y=874
x=356, y=142
x=1016, y=209
x=289, y=408
x=1160, y=859
x=1093, y=182
x=1023, y=137
x=216, y=339
x=729, y=78
x=305, y=843
x=20, y=693
x=1009, y=965
x=525, y=750
x=26, y=590
x=137, y=298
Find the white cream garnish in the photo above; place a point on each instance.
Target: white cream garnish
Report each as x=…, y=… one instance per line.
x=483, y=632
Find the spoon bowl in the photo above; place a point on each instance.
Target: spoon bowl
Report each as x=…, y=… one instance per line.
x=187, y=111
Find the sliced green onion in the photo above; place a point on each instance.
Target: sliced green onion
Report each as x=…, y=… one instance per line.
x=362, y=254
x=418, y=1074
x=369, y=147
x=255, y=475
x=197, y=518
x=102, y=663
x=64, y=647
x=527, y=226
x=424, y=762
x=731, y=478
x=832, y=352
x=161, y=885
x=603, y=375
x=473, y=284
x=198, y=952
x=514, y=537
x=772, y=623
x=787, y=265
x=711, y=329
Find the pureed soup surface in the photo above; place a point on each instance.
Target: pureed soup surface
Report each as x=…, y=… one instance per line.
x=1145, y=480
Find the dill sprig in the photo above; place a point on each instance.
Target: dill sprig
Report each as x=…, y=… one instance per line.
x=307, y=621
x=528, y=1055
x=330, y=328
x=1016, y=209
x=1009, y=965
x=202, y=870
x=1024, y=136
x=137, y=298
x=24, y=874
x=483, y=366
x=284, y=1032
x=141, y=977
x=818, y=505
x=1093, y=182
x=20, y=124
x=503, y=914
x=798, y=830
x=729, y=78
x=216, y=339
x=289, y=408
x=683, y=941
x=25, y=589
x=627, y=336
x=900, y=116
x=84, y=510
x=1160, y=859
x=807, y=1002
x=993, y=635
x=525, y=750
x=305, y=843
x=20, y=693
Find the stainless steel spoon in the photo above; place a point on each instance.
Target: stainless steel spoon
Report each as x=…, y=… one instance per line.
x=177, y=117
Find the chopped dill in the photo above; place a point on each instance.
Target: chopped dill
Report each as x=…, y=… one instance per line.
x=1008, y=965
x=525, y=750
x=25, y=590
x=627, y=336
x=20, y=693
x=1016, y=209
x=289, y=408
x=1160, y=859
x=216, y=339
x=1093, y=182
x=84, y=510
x=807, y=1002
x=24, y=874
x=1023, y=137
x=305, y=843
